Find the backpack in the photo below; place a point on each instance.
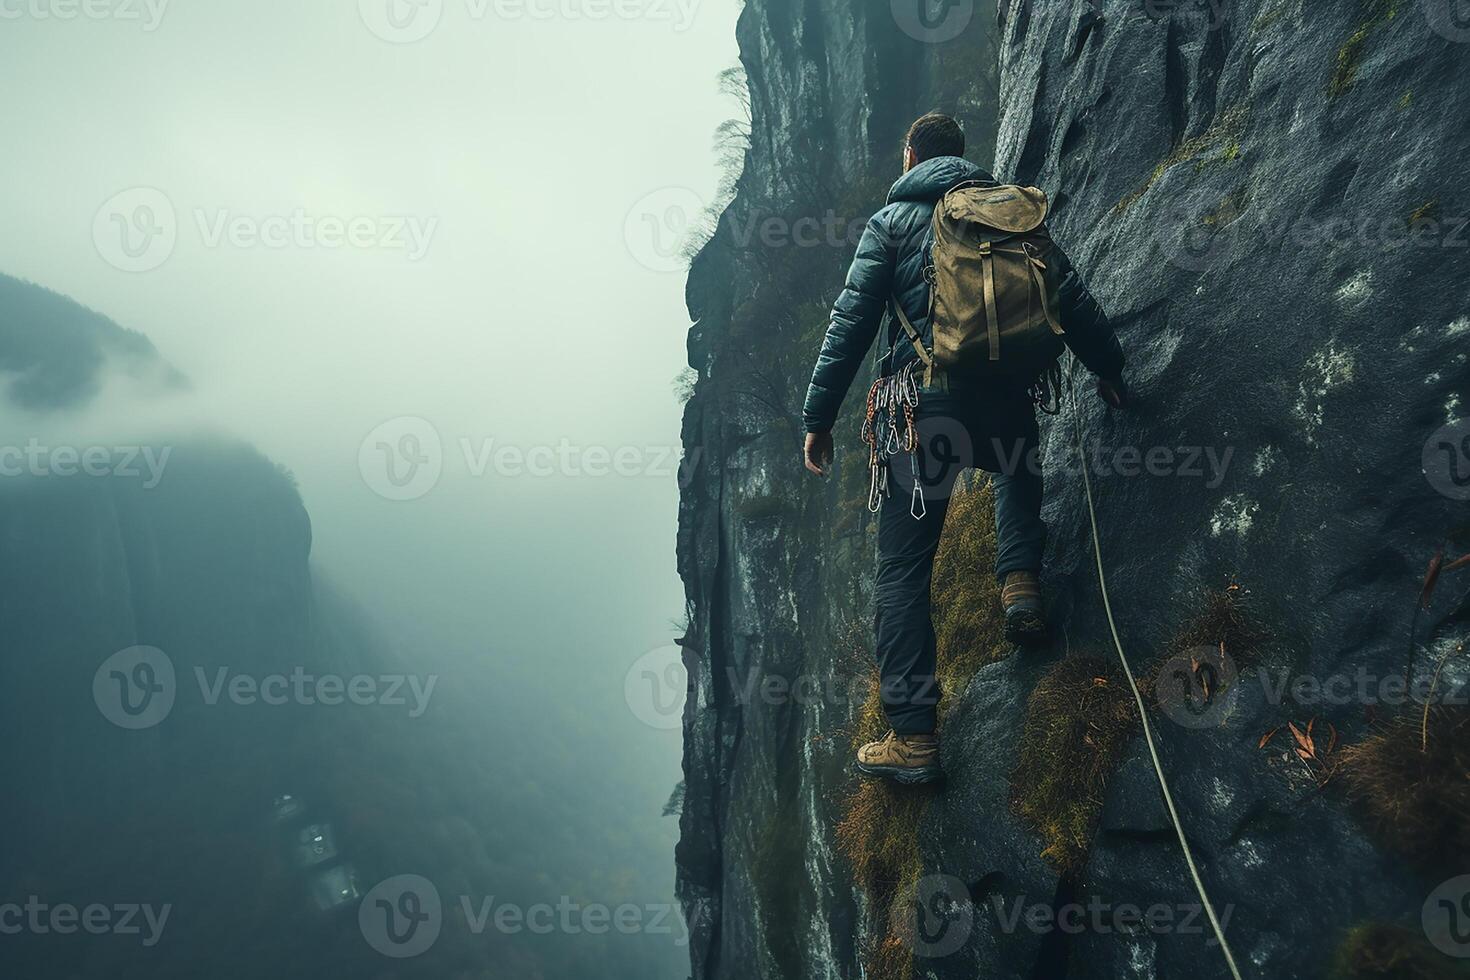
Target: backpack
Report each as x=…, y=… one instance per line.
x=992, y=295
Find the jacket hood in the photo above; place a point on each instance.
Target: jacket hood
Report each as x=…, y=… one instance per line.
x=931, y=179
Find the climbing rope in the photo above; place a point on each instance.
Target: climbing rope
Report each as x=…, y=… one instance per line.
x=1148, y=735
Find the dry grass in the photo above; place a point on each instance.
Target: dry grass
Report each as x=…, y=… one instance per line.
x=1225, y=623
x=1082, y=715
x=969, y=622
x=1078, y=725
x=878, y=832
x=1225, y=617
x=1413, y=790
x=1379, y=951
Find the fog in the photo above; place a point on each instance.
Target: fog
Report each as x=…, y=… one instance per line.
x=425, y=274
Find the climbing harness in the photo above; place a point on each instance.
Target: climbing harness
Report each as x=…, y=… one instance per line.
x=1148, y=735
x=888, y=431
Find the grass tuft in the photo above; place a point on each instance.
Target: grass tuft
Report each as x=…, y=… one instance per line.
x=1226, y=616
x=1411, y=781
x=1078, y=724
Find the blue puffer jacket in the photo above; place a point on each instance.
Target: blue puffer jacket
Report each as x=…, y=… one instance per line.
x=890, y=263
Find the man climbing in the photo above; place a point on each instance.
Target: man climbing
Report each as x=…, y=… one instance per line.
x=958, y=393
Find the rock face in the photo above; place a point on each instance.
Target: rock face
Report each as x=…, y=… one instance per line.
x=1268, y=198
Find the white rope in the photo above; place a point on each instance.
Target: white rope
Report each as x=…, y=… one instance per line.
x=1148, y=735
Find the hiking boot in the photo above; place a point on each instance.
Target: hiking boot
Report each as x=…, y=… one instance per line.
x=1025, y=620
x=902, y=758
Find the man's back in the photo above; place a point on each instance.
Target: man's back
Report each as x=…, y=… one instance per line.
x=922, y=435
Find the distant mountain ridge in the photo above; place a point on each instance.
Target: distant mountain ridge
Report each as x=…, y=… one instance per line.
x=55, y=352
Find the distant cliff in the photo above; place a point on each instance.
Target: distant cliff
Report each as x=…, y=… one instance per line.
x=1266, y=196
x=262, y=816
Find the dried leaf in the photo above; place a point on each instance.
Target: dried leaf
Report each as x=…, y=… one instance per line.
x=1457, y=564
x=1306, y=756
x=1332, y=741
x=1431, y=577
x=1266, y=738
x=1302, y=739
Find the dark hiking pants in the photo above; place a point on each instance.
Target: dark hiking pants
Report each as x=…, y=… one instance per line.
x=990, y=429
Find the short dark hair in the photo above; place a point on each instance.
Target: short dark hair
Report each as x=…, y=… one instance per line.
x=936, y=135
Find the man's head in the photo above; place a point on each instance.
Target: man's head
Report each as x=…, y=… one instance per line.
x=932, y=135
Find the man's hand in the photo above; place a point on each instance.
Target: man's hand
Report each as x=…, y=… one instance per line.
x=818, y=452
x=1114, y=392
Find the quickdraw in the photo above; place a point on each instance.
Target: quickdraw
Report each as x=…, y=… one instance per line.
x=888, y=431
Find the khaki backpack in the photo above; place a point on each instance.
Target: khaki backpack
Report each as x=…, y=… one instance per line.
x=992, y=297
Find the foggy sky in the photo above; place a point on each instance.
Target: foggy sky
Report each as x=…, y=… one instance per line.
x=490, y=176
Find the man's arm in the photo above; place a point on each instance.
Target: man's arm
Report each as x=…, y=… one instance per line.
x=856, y=317
x=1088, y=332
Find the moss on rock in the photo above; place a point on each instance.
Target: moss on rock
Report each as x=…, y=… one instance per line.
x=1375, y=13
x=1078, y=723
x=878, y=833
x=1224, y=134
x=1380, y=951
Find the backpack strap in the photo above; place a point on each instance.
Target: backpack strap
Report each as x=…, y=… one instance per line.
x=992, y=317
x=915, y=339
x=1037, y=266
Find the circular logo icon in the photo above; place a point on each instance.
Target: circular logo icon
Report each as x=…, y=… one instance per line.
x=136, y=229
x=402, y=459
x=944, y=452
x=401, y=917
x=135, y=688
x=659, y=227
x=932, y=21
x=656, y=687
x=1450, y=19
x=1197, y=689
x=938, y=920
x=1198, y=242
x=401, y=21
x=1446, y=460
x=1446, y=917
